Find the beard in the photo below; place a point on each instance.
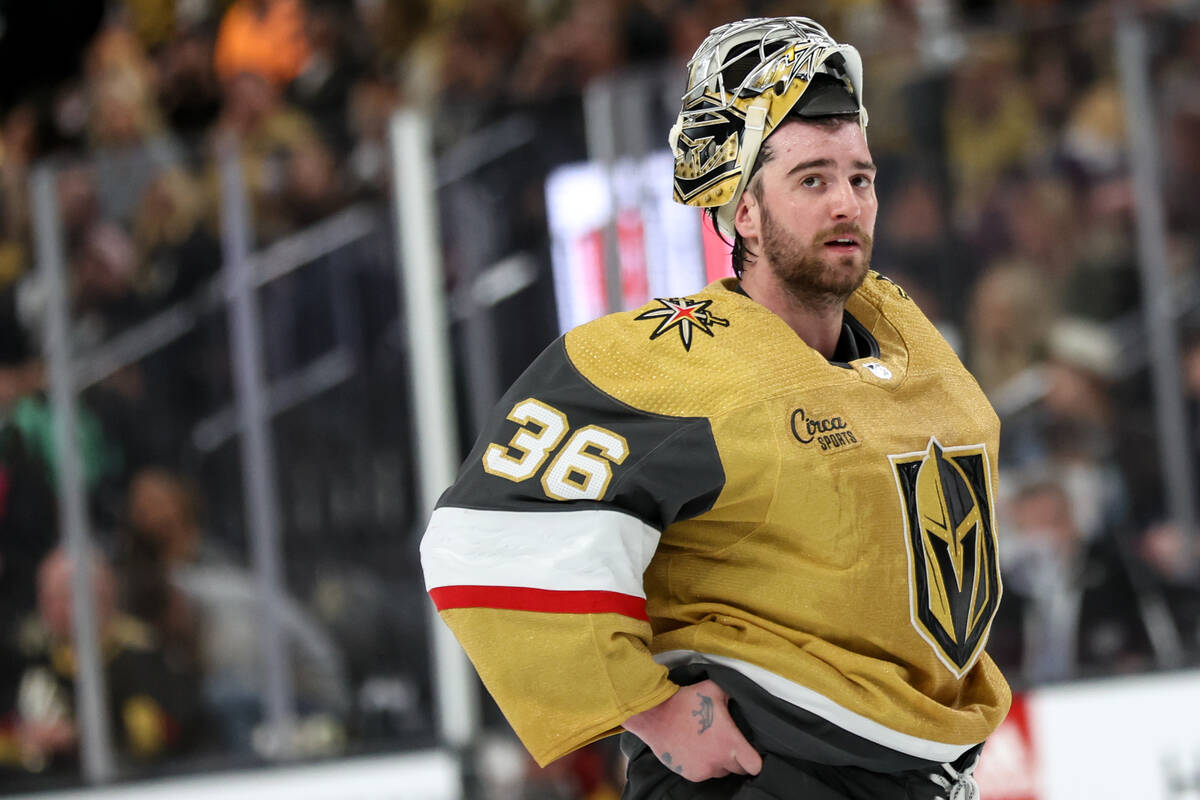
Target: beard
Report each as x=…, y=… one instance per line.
x=814, y=277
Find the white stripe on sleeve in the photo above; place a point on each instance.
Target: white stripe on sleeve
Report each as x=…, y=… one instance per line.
x=592, y=549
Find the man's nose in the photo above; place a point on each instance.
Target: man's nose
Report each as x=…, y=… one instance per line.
x=844, y=203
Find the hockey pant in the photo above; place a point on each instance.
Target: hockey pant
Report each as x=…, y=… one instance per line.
x=804, y=757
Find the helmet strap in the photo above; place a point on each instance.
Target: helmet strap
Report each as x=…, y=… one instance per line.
x=756, y=123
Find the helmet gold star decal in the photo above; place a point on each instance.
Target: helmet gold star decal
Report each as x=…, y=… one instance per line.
x=685, y=315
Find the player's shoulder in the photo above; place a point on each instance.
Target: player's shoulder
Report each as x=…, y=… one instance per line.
x=674, y=355
x=880, y=291
x=882, y=300
x=899, y=324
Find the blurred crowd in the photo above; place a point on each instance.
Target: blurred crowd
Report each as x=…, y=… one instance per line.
x=1007, y=211
x=135, y=104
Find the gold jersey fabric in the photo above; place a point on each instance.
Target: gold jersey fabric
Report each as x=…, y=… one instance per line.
x=828, y=529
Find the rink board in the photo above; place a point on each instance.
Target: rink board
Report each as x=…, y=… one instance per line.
x=427, y=775
x=1134, y=738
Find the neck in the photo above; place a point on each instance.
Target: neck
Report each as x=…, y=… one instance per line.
x=817, y=321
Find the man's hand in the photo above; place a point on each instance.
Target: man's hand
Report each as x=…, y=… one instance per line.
x=693, y=734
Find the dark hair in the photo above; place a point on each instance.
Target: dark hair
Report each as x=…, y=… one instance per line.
x=765, y=154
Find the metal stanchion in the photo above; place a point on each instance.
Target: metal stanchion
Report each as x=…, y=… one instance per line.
x=1159, y=309
x=90, y=695
x=257, y=451
x=423, y=303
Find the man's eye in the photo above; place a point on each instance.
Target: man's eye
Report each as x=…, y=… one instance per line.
x=861, y=181
x=811, y=181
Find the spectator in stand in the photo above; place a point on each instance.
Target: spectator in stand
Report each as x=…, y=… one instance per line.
x=372, y=101
x=120, y=281
x=322, y=88
x=293, y=182
x=1172, y=558
x=1171, y=553
x=177, y=251
x=1093, y=140
x=104, y=270
x=690, y=23
x=153, y=709
x=923, y=254
x=179, y=255
x=116, y=51
x=1009, y=317
x=1103, y=283
x=1085, y=424
x=1033, y=217
x=78, y=202
x=28, y=524
x=314, y=188
x=188, y=90
x=1181, y=127
x=486, y=57
x=1086, y=441
x=1071, y=606
x=206, y=605
x=393, y=29
x=1057, y=72
x=989, y=124
x=586, y=44
x=263, y=37
x=269, y=132
x=128, y=142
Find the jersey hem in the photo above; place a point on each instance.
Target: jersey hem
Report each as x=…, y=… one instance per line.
x=816, y=703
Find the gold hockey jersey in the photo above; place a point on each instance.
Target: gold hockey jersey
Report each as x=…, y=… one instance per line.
x=691, y=482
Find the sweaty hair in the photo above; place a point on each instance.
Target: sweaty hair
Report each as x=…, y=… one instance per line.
x=742, y=255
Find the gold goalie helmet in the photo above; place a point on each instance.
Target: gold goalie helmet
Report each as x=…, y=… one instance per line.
x=744, y=79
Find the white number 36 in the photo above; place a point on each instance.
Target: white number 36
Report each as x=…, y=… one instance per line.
x=581, y=470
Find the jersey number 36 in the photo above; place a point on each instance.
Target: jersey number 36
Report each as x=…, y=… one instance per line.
x=580, y=470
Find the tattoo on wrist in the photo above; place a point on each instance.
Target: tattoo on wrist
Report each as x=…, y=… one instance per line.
x=704, y=712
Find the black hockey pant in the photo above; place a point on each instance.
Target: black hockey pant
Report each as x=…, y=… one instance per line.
x=818, y=760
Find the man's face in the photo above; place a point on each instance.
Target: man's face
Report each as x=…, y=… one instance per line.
x=813, y=212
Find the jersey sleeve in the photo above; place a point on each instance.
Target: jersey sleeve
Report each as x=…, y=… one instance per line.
x=535, y=556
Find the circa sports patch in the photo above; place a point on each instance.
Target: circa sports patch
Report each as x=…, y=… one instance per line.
x=828, y=433
x=954, y=573
x=685, y=315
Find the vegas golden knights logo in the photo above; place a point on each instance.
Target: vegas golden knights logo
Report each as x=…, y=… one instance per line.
x=954, y=575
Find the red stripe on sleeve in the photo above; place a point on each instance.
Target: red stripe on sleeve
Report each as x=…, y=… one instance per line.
x=519, y=598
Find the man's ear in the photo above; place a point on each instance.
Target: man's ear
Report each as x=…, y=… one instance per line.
x=747, y=219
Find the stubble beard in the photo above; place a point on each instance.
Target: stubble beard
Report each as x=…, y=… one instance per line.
x=814, y=278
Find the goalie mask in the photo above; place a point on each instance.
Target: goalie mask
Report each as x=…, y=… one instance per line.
x=744, y=79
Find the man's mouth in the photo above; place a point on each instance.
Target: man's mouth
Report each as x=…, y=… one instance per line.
x=845, y=244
